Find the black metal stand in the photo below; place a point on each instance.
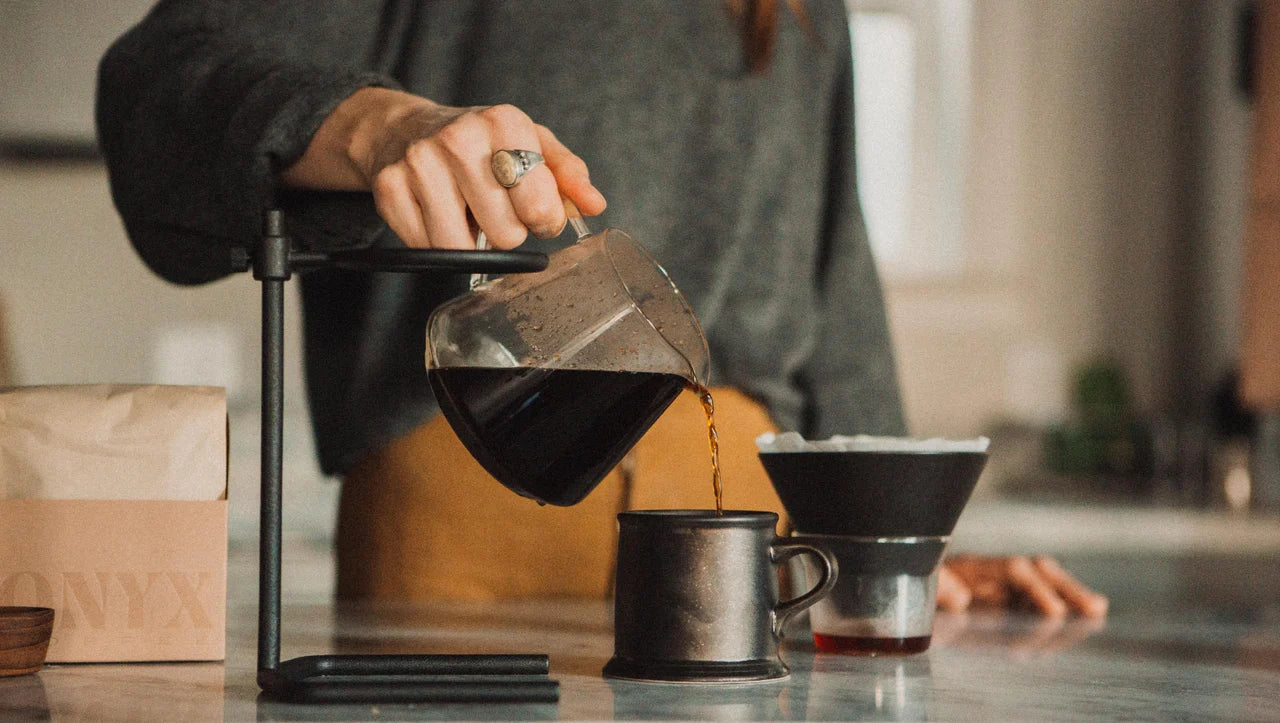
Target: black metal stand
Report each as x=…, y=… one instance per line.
x=362, y=678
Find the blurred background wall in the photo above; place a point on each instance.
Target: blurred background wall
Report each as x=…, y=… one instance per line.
x=1104, y=212
x=1099, y=215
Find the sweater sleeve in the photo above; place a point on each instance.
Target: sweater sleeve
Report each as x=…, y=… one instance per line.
x=851, y=377
x=201, y=104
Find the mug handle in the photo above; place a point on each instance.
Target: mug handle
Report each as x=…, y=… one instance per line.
x=785, y=548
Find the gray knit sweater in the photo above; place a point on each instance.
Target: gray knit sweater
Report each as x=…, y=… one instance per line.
x=741, y=185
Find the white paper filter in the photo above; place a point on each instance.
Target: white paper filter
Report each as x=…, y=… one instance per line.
x=793, y=442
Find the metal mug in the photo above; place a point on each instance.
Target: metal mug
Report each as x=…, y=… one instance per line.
x=697, y=598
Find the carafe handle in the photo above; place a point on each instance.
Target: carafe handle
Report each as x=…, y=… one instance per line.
x=575, y=220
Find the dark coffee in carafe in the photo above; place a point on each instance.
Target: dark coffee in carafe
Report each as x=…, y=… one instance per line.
x=551, y=434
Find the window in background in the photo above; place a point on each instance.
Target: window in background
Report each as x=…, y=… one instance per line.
x=911, y=95
x=884, y=59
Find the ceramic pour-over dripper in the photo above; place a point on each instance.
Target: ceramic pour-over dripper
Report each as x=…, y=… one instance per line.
x=886, y=509
x=904, y=492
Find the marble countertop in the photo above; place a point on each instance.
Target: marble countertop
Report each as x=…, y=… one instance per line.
x=999, y=525
x=1201, y=659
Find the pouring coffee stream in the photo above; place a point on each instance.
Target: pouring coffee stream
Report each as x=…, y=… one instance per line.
x=550, y=378
x=713, y=441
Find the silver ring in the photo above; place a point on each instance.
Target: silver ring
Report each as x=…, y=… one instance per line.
x=509, y=166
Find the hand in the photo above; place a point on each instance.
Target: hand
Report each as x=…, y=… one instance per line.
x=966, y=580
x=428, y=167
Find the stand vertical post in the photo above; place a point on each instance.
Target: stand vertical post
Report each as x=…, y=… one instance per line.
x=271, y=267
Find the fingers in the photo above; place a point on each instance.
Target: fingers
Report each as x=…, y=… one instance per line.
x=464, y=147
x=423, y=211
x=953, y=594
x=396, y=203
x=983, y=576
x=535, y=198
x=427, y=196
x=1025, y=578
x=1080, y=598
x=570, y=173
x=1003, y=581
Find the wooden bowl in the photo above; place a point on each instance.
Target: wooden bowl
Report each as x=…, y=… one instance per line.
x=20, y=661
x=24, y=639
x=23, y=617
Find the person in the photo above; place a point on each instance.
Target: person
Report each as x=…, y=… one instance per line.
x=723, y=132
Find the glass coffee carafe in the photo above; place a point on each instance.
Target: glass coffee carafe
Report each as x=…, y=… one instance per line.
x=549, y=378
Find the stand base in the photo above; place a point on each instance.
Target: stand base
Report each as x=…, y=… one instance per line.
x=411, y=679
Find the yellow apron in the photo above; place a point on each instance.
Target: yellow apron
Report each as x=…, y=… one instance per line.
x=420, y=519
